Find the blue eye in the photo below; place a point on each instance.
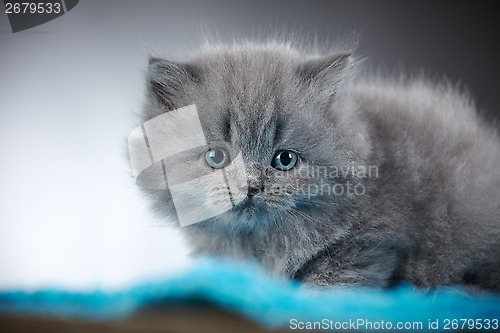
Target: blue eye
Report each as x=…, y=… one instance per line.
x=217, y=158
x=284, y=160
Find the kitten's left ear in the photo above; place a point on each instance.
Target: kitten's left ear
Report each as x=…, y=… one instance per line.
x=327, y=70
x=168, y=79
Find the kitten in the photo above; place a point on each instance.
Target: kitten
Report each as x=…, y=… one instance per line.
x=351, y=180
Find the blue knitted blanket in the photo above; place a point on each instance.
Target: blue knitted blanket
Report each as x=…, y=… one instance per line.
x=244, y=289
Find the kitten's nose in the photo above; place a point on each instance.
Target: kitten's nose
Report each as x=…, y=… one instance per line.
x=252, y=190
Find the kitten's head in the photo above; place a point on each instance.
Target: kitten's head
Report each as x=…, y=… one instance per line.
x=288, y=113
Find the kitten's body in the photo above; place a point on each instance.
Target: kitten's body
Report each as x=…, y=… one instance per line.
x=431, y=214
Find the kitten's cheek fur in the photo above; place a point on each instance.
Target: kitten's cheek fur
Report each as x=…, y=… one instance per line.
x=162, y=204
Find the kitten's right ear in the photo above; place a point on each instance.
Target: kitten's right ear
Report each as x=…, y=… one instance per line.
x=166, y=80
x=326, y=70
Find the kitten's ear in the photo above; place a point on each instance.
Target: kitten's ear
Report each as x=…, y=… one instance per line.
x=166, y=80
x=328, y=69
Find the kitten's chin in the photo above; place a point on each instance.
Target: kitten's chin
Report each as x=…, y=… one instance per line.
x=249, y=213
x=249, y=205
x=259, y=206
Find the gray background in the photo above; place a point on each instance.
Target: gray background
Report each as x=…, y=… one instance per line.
x=69, y=212
x=456, y=39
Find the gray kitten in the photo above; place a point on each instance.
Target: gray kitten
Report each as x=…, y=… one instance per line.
x=351, y=180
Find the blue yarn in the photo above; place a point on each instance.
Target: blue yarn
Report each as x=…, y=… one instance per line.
x=244, y=289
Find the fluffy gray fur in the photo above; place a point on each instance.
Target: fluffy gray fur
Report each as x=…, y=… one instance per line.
x=431, y=216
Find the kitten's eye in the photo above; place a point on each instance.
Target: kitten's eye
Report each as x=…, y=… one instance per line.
x=284, y=160
x=217, y=158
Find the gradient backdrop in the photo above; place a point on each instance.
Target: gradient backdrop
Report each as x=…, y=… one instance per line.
x=69, y=212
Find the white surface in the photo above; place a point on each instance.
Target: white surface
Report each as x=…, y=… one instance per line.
x=70, y=215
